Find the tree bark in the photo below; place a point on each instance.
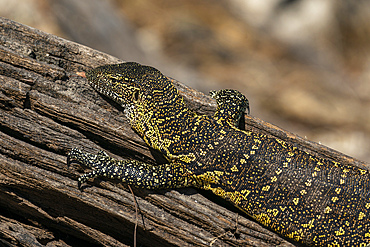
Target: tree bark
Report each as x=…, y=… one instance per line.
x=46, y=109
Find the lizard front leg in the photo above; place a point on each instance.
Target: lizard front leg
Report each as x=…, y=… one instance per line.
x=139, y=174
x=231, y=105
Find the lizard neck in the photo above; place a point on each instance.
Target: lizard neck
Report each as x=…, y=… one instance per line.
x=158, y=118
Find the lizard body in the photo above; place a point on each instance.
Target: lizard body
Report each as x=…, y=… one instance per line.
x=311, y=200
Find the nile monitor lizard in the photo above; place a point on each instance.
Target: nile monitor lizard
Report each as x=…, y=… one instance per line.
x=305, y=198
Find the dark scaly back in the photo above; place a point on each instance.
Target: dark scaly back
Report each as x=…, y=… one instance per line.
x=306, y=198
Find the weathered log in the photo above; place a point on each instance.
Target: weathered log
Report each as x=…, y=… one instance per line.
x=46, y=109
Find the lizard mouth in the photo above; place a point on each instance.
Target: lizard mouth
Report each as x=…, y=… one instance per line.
x=102, y=88
x=103, y=85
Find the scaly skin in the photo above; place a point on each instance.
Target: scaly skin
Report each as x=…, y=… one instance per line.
x=314, y=201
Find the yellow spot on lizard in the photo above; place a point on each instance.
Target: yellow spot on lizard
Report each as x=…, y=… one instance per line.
x=234, y=168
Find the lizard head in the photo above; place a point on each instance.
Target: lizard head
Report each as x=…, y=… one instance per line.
x=126, y=83
x=143, y=92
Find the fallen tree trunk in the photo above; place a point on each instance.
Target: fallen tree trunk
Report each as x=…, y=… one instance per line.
x=46, y=109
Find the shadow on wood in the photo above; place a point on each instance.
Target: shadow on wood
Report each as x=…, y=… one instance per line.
x=46, y=109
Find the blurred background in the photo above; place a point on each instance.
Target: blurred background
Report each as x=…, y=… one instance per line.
x=303, y=64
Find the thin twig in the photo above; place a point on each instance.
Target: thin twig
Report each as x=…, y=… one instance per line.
x=136, y=214
x=225, y=233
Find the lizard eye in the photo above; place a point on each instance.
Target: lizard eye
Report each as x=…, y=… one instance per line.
x=135, y=96
x=113, y=80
